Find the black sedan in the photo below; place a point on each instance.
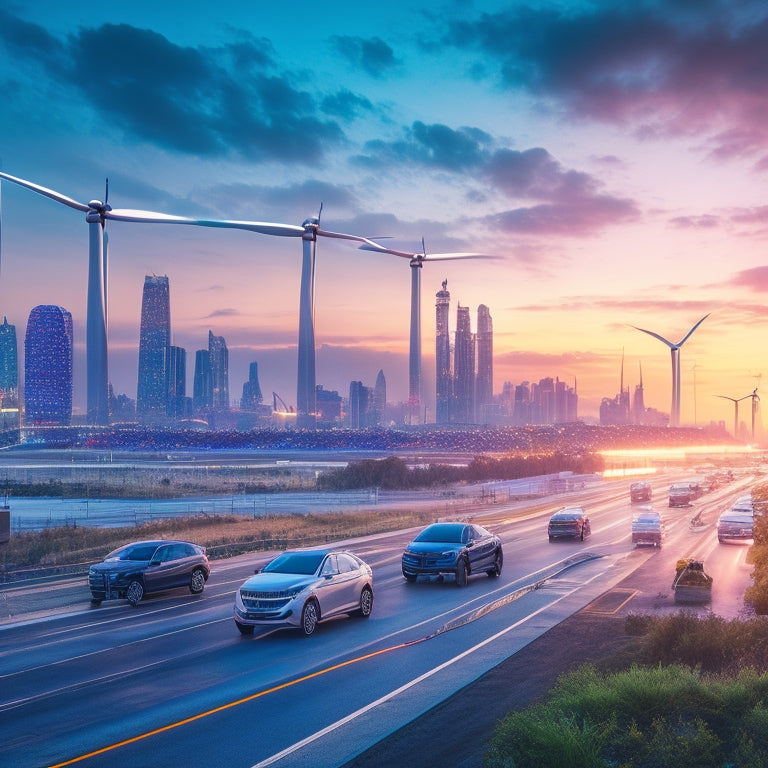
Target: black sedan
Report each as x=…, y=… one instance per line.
x=461, y=549
x=148, y=566
x=569, y=523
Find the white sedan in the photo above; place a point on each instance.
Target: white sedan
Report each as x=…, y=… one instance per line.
x=301, y=587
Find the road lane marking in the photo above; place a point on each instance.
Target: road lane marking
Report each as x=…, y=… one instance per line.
x=454, y=624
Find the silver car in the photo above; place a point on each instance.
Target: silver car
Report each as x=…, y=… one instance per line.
x=301, y=587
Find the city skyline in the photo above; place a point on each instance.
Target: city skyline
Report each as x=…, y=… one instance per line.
x=615, y=193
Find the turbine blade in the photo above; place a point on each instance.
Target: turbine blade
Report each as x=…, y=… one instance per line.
x=687, y=335
x=655, y=336
x=446, y=256
x=58, y=197
x=150, y=217
x=368, y=244
x=371, y=246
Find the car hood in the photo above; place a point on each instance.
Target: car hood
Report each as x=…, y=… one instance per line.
x=274, y=582
x=430, y=547
x=118, y=566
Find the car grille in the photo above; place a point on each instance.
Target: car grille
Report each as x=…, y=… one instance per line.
x=97, y=581
x=425, y=561
x=265, y=601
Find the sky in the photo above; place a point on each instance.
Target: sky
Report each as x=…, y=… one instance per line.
x=611, y=156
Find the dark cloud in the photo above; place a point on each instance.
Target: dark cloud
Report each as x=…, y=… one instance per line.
x=434, y=146
x=193, y=100
x=346, y=105
x=372, y=55
x=668, y=68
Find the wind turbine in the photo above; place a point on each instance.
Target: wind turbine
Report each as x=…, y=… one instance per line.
x=674, y=418
x=416, y=261
x=96, y=351
x=735, y=402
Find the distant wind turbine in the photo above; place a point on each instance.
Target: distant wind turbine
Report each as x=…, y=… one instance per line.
x=674, y=418
x=735, y=402
x=755, y=401
x=416, y=261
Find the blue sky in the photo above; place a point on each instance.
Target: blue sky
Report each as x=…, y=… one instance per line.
x=612, y=155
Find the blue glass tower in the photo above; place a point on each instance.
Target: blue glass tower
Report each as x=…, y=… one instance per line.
x=48, y=366
x=155, y=336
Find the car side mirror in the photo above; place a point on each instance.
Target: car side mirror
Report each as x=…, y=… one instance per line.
x=155, y=562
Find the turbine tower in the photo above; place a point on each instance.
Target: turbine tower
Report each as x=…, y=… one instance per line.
x=736, y=402
x=674, y=416
x=416, y=261
x=755, y=401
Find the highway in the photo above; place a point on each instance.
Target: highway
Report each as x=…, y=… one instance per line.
x=173, y=682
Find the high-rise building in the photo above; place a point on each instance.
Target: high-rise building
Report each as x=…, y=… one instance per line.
x=464, y=369
x=176, y=381
x=484, y=381
x=202, y=386
x=251, y=390
x=443, y=378
x=48, y=366
x=379, y=403
x=155, y=336
x=217, y=348
x=359, y=398
x=9, y=364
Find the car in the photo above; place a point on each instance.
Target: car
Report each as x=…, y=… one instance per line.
x=640, y=492
x=680, y=495
x=142, y=567
x=458, y=549
x=569, y=523
x=647, y=528
x=737, y=523
x=299, y=588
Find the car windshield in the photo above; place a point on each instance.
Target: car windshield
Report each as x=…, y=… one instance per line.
x=304, y=563
x=730, y=517
x=566, y=515
x=133, y=552
x=451, y=534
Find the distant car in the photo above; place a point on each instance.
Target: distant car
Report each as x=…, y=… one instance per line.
x=461, y=549
x=141, y=567
x=647, y=528
x=737, y=523
x=680, y=495
x=640, y=492
x=299, y=588
x=569, y=523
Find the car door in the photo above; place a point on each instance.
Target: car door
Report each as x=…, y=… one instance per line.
x=481, y=553
x=349, y=576
x=168, y=568
x=330, y=588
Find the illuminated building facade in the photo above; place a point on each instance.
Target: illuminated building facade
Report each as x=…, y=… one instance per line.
x=154, y=337
x=48, y=367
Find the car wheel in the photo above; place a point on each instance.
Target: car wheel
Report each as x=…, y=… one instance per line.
x=197, y=581
x=96, y=600
x=462, y=573
x=366, y=602
x=411, y=577
x=310, y=615
x=135, y=592
x=245, y=629
x=497, y=566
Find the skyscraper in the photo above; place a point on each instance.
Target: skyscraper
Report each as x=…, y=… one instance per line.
x=9, y=363
x=176, y=381
x=202, y=386
x=48, y=366
x=359, y=399
x=484, y=381
x=443, y=379
x=251, y=389
x=217, y=348
x=155, y=336
x=379, y=404
x=464, y=369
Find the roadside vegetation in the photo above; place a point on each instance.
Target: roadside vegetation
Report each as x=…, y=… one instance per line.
x=757, y=594
x=690, y=692
x=394, y=473
x=222, y=535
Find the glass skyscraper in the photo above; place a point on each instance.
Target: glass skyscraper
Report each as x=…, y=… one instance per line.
x=443, y=378
x=176, y=381
x=484, y=381
x=464, y=368
x=9, y=362
x=202, y=385
x=155, y=336
x=217, y=348
x=48, y=366
x=251, y=389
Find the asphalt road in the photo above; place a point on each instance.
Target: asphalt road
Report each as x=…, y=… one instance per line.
x=172, y=682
